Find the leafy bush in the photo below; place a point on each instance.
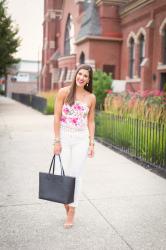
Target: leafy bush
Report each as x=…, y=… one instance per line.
x=101, y=84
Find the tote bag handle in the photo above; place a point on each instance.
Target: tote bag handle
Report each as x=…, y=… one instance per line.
x=52, y=165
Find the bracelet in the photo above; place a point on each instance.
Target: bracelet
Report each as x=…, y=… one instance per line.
x=91, y=143
x=56, y=140
x=54, y=144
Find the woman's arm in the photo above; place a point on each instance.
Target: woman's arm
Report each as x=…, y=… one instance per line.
x=57, y=116
x=91, y=125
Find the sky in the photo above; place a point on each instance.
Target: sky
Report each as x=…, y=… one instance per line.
x=28, y=16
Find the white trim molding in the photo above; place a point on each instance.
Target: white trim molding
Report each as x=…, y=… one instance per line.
x=134, y=5
x=161, y=66
x=117, y=2
x=162, y=26
x=133, y=80
x=150, y=24
x=131, y=35
x=78, y=1
x=43, y=70
x=140, y=31
x=145, y=62
x=66, y=57
x=53, y=14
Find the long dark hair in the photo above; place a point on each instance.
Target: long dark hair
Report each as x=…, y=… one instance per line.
x=71, y=96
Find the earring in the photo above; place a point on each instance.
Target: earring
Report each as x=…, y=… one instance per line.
x=87, y=84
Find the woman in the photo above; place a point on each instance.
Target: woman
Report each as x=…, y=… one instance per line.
x=74, y=129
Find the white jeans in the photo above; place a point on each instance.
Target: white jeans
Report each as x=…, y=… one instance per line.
x=73, y=155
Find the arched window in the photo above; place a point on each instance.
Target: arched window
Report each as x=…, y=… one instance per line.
x=164, y=45
x=131, y=57
x=69, y=47
x=82, y=58
x=141, y=52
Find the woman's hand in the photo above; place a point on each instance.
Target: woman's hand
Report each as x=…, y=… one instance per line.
x=57, y=149
x=91, y=151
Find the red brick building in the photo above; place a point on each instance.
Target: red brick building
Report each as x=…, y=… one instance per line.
x=125, y=37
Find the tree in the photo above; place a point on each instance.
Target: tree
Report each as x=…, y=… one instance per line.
x=101, y=84
x=9, y=42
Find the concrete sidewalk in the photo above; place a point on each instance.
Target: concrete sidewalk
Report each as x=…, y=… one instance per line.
x=123, y=206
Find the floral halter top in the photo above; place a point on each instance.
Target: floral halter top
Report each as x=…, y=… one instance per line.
x=75, y=116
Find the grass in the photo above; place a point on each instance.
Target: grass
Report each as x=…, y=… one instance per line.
x=142, y=139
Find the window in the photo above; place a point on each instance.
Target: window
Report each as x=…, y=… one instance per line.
x=141, y=52
x=82, y=58
x=69, y=47
x=164, y=46
x=131, y=58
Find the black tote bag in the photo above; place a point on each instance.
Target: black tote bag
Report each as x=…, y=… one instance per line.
x=57, y=188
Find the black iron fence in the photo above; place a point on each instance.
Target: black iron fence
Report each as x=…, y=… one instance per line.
x=35, y=102
x=143, y=140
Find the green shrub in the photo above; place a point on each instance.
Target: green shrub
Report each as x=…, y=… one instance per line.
x=101, y=84
x=2, y=91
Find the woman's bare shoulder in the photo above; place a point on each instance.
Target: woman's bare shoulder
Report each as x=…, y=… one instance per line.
x=63, y=91
x=91, y=97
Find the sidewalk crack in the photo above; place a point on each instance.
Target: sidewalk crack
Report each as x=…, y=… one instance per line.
x=107, y=221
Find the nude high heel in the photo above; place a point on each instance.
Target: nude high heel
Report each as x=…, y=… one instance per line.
x=70, y=218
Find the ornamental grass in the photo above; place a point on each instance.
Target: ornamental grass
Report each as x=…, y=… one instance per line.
x=147, y=105
x=136, y=124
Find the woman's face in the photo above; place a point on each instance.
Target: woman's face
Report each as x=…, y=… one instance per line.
x=82, y=77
